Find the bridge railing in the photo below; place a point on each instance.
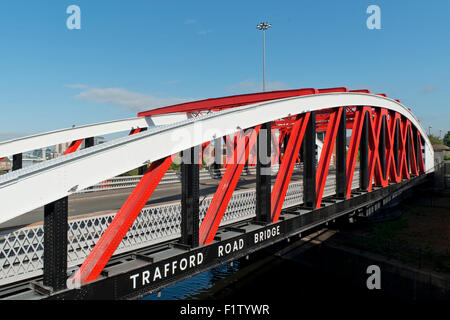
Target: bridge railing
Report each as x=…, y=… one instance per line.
x=170, y=177
x=21, y=251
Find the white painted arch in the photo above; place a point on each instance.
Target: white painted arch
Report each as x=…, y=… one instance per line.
x=24, y=190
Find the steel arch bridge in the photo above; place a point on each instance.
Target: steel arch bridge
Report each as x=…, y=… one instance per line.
x=387, y=141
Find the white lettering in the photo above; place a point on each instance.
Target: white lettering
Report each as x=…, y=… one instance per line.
x=157, y=274
x=145, y=276
x=183, y=264
x=134, y=280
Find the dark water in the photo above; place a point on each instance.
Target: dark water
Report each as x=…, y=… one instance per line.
x=266, y=276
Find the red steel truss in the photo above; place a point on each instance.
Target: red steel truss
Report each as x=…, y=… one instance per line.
x=211, y=222
x=119, y=226
x=397, y=157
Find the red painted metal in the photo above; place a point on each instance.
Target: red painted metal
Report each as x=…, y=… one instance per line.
x=134, y=131
x=412, y=151
x=375, y=169
x=325, y=156
x=73, y=146
x=119, y=226
x=391, y=167
x=421, y=162
x=204, y=146
x=287, y=166
x=330, y=90
x=225, y=190
x=354, y=145
x=228, y=102
x=404, y=172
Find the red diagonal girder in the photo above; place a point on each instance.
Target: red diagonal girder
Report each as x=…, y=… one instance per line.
x=325, y=156
x=354, y=145
x=404, y=173
x=391, y=167
x=412, y=151
x=76, y=143
x=375, y=168
x=73, y=146
x=421, y=162
x=204, y=146
x=225, y=190
x=119, y=226
x=287, y=166
x=230, y=142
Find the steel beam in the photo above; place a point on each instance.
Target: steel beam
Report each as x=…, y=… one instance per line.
x=89, y=142
x=325, y=156
x=309, y=167
x=341, y=155
x=17, y=162
x=55, y=244
x=119, y=226
x=190, y=197
x=219, y=203
x=217, y=157
x=73, y=146
x=382, y=147
x=263, y=174
x=364, y=154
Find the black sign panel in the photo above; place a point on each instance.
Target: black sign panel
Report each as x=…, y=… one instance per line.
x=196, y=260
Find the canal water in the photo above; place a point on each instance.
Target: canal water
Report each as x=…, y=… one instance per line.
x=263, y=277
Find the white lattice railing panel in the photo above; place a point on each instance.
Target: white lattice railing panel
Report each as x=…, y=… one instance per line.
x=21, y=251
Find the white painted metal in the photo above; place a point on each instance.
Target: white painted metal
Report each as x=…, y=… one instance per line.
x=52, y=138
x=169, y=177
x=21, y=251
x=60, y=177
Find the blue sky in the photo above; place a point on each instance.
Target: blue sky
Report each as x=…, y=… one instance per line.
x=136, y=55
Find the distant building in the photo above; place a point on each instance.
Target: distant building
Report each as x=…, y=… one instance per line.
x=5, y=165
x=61, y=148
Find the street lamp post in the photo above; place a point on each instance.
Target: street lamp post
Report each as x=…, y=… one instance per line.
x=264, y=26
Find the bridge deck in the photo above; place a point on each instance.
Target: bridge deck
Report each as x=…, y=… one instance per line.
x=149, y=269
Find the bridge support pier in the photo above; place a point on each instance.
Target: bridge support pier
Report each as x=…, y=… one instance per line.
x=264, y=174
x=190, y=197
x=309, y=169
x=55, y=244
